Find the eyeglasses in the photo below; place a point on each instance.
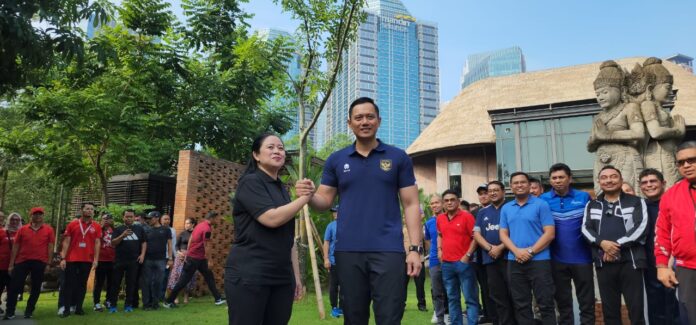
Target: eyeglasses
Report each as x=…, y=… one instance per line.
x=690, y=161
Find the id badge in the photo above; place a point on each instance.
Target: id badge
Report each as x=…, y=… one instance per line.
x=82, y=245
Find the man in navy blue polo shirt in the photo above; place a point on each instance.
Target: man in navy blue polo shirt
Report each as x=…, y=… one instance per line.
x=570, y=254
x=487, y=235
x=527, y=228
x=437, y=287
x=371, y=178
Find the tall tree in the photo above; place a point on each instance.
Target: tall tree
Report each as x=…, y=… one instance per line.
x=325, y=31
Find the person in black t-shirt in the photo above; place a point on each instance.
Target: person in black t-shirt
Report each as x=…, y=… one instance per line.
x=159, y=243
x=263, y=258
x=131, y=243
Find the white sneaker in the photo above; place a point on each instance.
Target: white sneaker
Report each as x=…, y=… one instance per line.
x=61, y=310
x=434, y=319
x=447, y=321
x=73, y=309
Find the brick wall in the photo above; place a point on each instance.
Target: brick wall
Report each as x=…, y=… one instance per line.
x=204, y=184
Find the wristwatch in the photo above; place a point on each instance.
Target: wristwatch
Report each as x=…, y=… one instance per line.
x=468, y=254
x=416, y=248
x=530, y=251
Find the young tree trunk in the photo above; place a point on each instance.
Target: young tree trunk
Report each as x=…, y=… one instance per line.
x=4, y=172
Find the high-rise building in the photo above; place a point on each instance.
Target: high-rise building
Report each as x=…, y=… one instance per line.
x=294, y=71
x=393, y=60
x=683, y=61
x=501, y=62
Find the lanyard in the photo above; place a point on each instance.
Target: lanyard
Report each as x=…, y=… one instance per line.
x=83, y=230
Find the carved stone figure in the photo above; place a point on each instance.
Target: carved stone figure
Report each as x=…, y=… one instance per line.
x=664, y=131
x=618, y=131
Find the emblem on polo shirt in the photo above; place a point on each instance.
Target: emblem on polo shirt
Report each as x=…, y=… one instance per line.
x=385, y=164
x=346, y=168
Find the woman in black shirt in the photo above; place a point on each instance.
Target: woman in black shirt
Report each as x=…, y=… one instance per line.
x=181, y=247
x=262, y=272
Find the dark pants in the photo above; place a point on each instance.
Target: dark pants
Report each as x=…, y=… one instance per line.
x=4, y=281
x=420, y=286
x=686, y=292
x=437, y=289
x=582, y=276
x=533, y=276
x=615, y=279
x=165, y=279
x=19, y=275
x=130, y=270
x=153, y=272
x=190, y=267
x=103, y=279
x=499, y=293
x=372, y=277
x=487, y=306
x=258, y=304
x=663, y=307
x=76, y=275
x=335, y=292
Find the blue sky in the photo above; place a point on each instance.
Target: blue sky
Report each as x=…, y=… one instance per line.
x=551, y=33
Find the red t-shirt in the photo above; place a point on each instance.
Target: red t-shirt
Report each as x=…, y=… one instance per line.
x=33, y=244
x=201, y=233
x=457, y=234
x=81, y=248
x=107, y=252
x=5, y=250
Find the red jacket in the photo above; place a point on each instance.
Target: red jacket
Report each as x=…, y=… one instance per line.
x=674, y=231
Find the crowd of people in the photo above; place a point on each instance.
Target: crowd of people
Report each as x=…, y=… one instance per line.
x=514, y=262
x=144, y=250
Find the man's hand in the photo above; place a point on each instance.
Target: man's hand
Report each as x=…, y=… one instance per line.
x=439, y=254
x=141, y=259
x=522, y=256
x=304, y=187
x=667, y=277
x=496, y=251
x=465, y=259
x=211, y=264
x=94, y=265
x=62, y=264
x=327, y=264
x=413, y=264
x=611, y=248
x=9, y=269
x=170, y=263
x=299, y=290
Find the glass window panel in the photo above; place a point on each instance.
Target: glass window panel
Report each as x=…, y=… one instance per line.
x=575, y=124
x=573, y=151
x=454, y=168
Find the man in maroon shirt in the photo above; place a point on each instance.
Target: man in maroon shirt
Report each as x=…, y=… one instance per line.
x=104, y=273
x=197, y=260
x=31, y=251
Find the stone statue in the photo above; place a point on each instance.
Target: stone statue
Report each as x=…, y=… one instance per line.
x=664, y=131
x=618, y=131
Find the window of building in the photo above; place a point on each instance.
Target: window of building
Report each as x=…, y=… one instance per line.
x=454, y=173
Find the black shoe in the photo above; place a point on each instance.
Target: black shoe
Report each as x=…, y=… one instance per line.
x=80, y=312
x=64, y=314
x=484, y=320
x=9, y=316
x=422, y=308
x=27, y=315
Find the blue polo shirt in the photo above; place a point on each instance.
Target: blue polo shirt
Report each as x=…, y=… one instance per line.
x=368, y=192
x=431, y=235
x=569, y=246
x=330, y=236
x=488, y=225
x=526, y=224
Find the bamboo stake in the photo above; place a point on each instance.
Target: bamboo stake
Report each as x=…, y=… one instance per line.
x=315, y=269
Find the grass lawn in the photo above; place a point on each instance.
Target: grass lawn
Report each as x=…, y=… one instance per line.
x=203, y=311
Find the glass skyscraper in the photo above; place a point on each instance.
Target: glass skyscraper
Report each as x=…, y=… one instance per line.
x=393, y=60
x=491, y=64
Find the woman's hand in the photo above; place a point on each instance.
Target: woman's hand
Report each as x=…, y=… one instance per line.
x=304, y=187
x=299, y=291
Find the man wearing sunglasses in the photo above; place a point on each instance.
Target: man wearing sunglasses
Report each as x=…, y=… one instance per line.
x=675, y=234
x=615, y=225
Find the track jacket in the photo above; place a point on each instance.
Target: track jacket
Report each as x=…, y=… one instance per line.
x=674, y=231
x=624, y=222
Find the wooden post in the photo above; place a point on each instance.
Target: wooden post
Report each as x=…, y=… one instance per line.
x=315, y=269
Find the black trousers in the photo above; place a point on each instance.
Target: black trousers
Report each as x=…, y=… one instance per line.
x=19, y=275
x=129, y=269
x=191, y=265
x=487, y=306
x=583, y=277
x=4, y=281
x=499, y=293
x=615, y=279
x=687, y=294
x=663, y=307
x=75, y=288
x=335, y=292
x=532, y=276
x=420, y=286
x=257, y=304
x=103, y=279
x=372, y=277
